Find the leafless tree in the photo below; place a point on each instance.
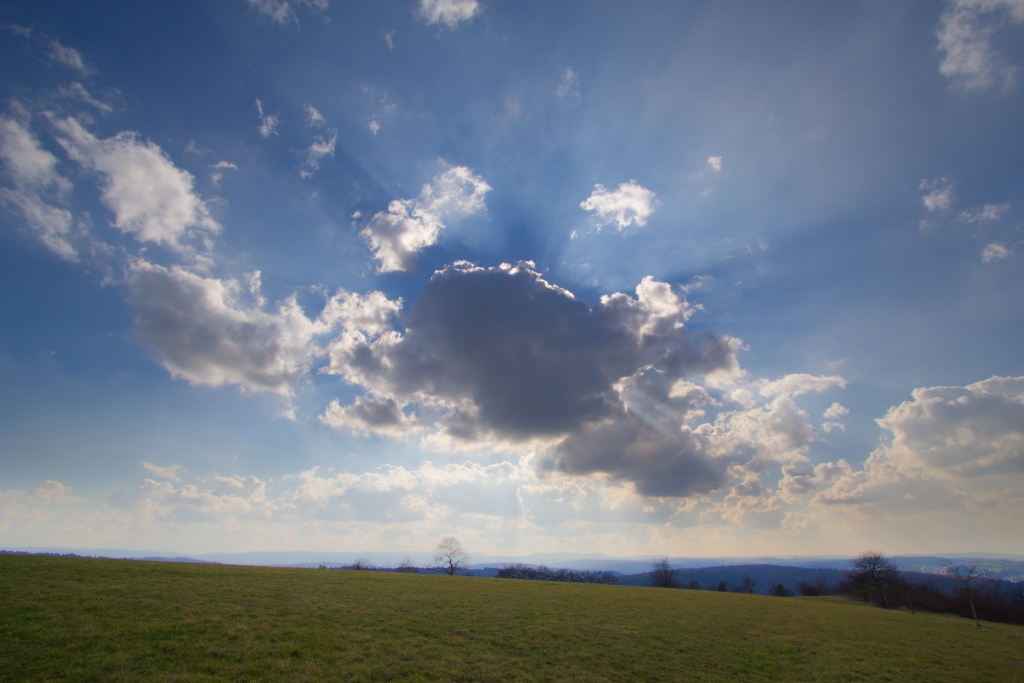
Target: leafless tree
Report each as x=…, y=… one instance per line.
x=663, y=575
x=407, y=566
x=748, y=584
x=362, y=564
x=968, y=579
x=875, y=570
x=449, y=556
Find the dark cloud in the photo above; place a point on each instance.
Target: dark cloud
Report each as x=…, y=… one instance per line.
x=511, y=357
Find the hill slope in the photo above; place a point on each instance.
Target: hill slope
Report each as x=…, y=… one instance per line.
x=80, y=619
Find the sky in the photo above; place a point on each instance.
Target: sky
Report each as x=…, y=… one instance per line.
x=683, y=278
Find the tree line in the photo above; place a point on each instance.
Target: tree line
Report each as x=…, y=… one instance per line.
x=542, y=573
x=963, y=589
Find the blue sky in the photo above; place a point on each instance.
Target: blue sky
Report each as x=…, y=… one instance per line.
x=660, y=278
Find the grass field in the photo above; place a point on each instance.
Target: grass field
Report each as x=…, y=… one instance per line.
x=72, y=619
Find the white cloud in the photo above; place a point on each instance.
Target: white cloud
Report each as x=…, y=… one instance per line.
x=68, y=56
x=36, y=186
x=313, y=117
x=989, y=212
x=151, y=198
x=219, y=169
x=799, y=383
x=204, y=332
x=715, y=163
x=569, y=87
x=939, y=195
x=321, y=147
x=994, y=252
x=78, y=91
x=448, y=12
x=629, y=205
x=835, y=410
x=281, y=11
x=373, y=126
x=168, y=473
x=409, y=225
x=389, y=39
x=945, y=441
x=232, y=496
x=268, y=122
x=969, y=34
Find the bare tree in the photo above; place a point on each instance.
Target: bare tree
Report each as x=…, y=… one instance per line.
x=748, y=584
x=449, y=556
x=663, y=575
x=968, y=579
x=407, y=566
x=875, y=570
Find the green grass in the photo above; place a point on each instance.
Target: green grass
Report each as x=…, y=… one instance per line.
x=69, y=619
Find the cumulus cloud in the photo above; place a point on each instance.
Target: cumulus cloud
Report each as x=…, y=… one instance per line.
x=969, y=34
x=268, y=122
x=988, y=212
x=368, y=416
x=836, y=410
x=67, y=56
x=204, y=332
x=232, y=496
x=37, y=188
x=282, y=11
x=152, y=199
x=943, y=436
x=715, y=163
x=448, y=12
x=321, y=147
x=569, y=87
x=994, y=252
x=629, y=205
x=939, y=194
x=500, y=355
x=397, y=235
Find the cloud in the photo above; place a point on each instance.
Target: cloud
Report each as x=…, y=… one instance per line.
x=448, y=12
x=232, y=496
x=629, y=205
x=569, y=87
x=152, y=199
x=994, y=252
x=501, y=356
x=989, y=212
x=715, y=163
x=313, y=117
x=68, y=56
x=168, y=473
x=368, y=416
x=943, y=436
x=36, y=187
x=939, y=195
x=835, y=410
x=219, y=169
x=77, y=91
x=321, y=147
x=409, y=225
x=205, y=333
x=268, y=122
x=969, y=35
x=281, y=11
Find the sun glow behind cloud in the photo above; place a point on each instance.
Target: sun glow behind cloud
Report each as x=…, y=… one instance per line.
x=362, y=268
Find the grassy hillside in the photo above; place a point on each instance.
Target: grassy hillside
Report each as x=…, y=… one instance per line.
x=71, y=619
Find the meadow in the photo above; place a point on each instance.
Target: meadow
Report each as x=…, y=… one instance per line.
x=77, y=619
